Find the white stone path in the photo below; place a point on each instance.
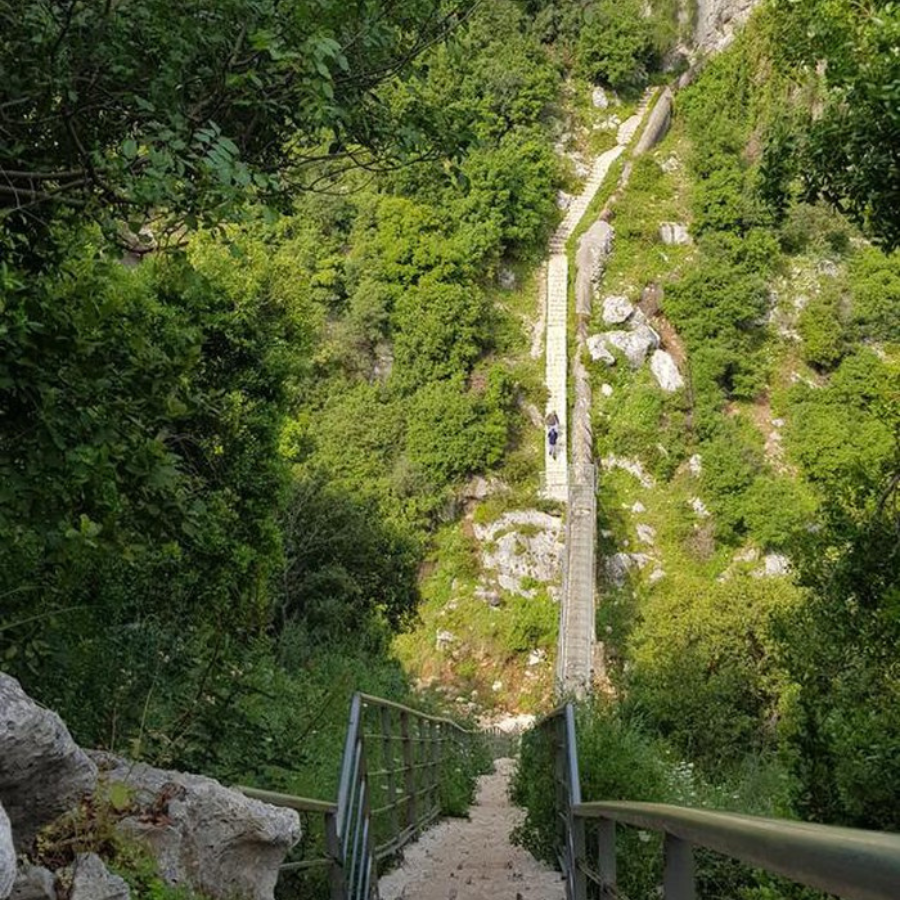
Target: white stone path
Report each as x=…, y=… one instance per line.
x=473, y=859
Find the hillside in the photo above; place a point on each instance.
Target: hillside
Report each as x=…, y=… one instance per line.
x=273, y=382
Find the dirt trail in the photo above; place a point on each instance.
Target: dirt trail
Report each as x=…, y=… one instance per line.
x=473, y=859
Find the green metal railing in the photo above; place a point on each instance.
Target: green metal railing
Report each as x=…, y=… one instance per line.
x=395, y=759
x=863, y=865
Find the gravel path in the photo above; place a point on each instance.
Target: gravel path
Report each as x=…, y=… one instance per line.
x=473, y=859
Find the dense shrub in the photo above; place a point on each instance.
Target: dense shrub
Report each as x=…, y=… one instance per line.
x=615, y=45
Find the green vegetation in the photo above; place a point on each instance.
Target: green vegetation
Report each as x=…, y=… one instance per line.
x=222, y=467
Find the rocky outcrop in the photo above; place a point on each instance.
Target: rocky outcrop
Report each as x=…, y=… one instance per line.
x=658, y=123
x=617, y=310
x=717, y=21
x=43, y=772
x=214, y=839
x=91, y=880
x=7, y=856
x=635, y=345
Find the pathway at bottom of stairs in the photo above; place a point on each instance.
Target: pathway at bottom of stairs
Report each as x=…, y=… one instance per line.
x=473, y=859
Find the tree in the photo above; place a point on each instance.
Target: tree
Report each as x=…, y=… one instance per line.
x=149, y=108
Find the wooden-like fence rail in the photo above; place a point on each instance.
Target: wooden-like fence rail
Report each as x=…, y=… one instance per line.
x=852, y=863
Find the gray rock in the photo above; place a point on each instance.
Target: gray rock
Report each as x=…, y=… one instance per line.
x=444, y=639
x=620, y=565
x=34, y=883
x=7, y=856
x=607, y=389
x=656, y=575
x=43, y=773
x=594, y=247
x=646, y=534
x=212, y=838
x=658, y=123
x=670, y=164
x=563, y=200
x=637, y=508
x=596, y=345
x=91, y=880
x=599, y=98
x=776, y=564
x=699, y=507
x=665, y=371
x=634, y=344
x=617, y=310
x=507, y=279
x=695, y=464
x=674, y=233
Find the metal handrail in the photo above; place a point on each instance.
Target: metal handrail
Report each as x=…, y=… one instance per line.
x=847, y=862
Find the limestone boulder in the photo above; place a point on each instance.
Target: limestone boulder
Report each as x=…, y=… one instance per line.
x=596, y=345
x=34, y=883
x=674, y=233
x=43, y=772
x=202, y=834
x=617, y=310
x=7, y=856
x=599, y=98
x=635, y=344
x=91, y=880
x=665, y=371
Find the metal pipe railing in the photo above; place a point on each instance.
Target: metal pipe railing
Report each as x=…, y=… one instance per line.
x=389, y=790
x=846, y=862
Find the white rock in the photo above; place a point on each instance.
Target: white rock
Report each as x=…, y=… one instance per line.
x=646, y=534
x=7, y=856
x=776, y=564
x=670, y=165
x=606, y=389
x=596, y=345
x=599, y=98
x=638, y=508
x=619, y=565
x=699, y=507
x=674, y=233
x=695, y=464
x=656, y=575
x=778, y=423
x=617, y=310
x=497, y=686
x=748, y=554
x=444, y=639
x=632, y=466
x=665, y=371
x=563, y=200
x=507, y=279
x=211, y=838
x=43, y=773
x=536, y=657
x=634, y=344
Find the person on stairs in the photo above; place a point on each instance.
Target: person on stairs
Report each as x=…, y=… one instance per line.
x=553, y=433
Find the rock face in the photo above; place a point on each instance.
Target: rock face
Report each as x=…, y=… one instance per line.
x=658, y=124
x=666, y=372
x=7, y=856
x=43, y=772
x=521, y=544
x=214, y=839
x=717, y=20
x=91, y=880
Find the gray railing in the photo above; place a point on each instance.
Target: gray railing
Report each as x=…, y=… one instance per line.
x=395, y=761
x=846, y=862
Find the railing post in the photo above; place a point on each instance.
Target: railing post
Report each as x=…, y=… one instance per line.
x=388, y=752
x=678, y=878
x=409, y=772
x=333, y=848
x=606, y=857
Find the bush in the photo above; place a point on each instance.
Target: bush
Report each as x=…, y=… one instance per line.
x=875, y=287
x=615, y=45
x=823, y=332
